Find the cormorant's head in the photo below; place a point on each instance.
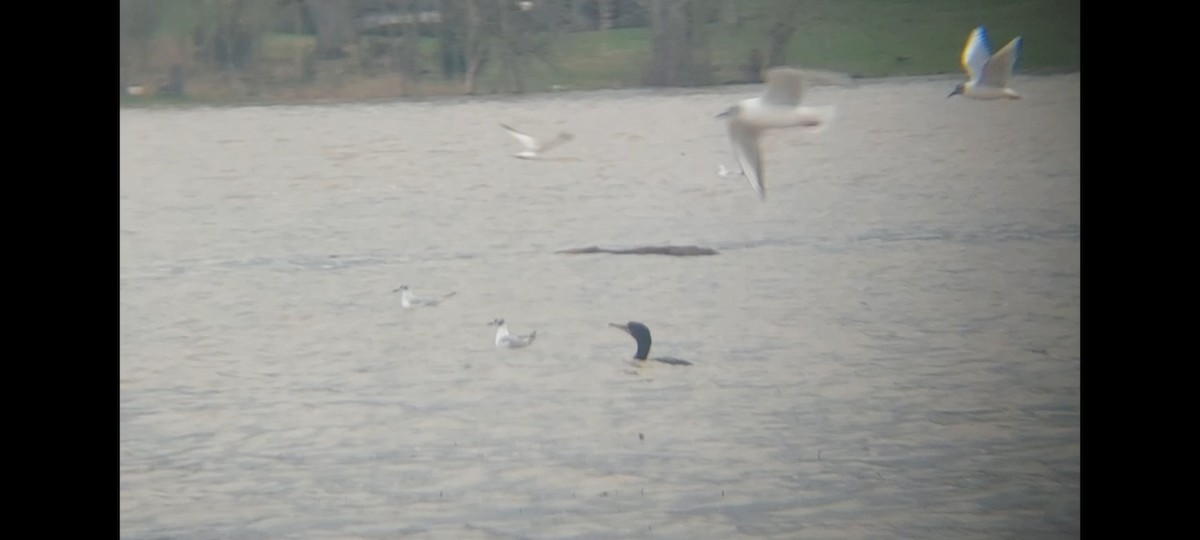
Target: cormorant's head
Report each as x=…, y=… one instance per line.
x=958, y=89
x=496, y=322
x=640, y=333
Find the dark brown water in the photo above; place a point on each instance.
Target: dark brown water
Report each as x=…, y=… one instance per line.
x=888, y=347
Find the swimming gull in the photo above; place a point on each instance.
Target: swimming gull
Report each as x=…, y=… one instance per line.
x=723, y=172
x=408, y=300
x=510, y=341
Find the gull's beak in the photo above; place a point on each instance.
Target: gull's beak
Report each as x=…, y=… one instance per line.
x=726, y=113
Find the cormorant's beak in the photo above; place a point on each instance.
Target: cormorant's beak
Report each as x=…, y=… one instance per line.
x=952, y=93
x=622, y=327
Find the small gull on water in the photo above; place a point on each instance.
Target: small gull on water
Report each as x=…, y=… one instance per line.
x=532, y=147
x=408, y=300
x=510, y=341
x=778, y=107
x=723, y=172
x=988, y=74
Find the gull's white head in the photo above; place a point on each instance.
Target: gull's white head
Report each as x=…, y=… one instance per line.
x=406, y=296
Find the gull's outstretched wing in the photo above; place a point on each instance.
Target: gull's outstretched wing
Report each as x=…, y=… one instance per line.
x=749, y=155
x=998, y=70
x=976, y=53
x=527, y=141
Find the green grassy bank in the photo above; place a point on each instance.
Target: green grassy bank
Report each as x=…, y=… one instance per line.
x=865, y=38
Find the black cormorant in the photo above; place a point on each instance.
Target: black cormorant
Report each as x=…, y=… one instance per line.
x=642, y=335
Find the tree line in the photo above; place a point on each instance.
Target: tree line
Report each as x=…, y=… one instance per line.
x=226, y=37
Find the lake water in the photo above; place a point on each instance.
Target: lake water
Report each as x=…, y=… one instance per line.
x=887, y=347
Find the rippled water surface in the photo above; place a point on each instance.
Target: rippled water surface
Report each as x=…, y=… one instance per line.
x=887, y=347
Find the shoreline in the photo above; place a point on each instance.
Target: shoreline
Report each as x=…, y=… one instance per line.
x=153, y=102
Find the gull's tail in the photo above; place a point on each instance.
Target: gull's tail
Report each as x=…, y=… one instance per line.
x=823, y=116
x=562, y=138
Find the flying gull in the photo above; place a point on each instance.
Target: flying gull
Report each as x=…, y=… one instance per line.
x=988, y=74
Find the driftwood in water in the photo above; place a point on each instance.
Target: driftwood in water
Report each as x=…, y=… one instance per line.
x=677, y=251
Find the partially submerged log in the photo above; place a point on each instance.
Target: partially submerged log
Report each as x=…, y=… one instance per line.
x=677, y=251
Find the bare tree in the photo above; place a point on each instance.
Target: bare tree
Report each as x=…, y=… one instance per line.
x=147, y=24
x=579, y=19
x=478, y=47
x=409, y=47
x=604, y=14
x=451, y=37
x=513, y=34
x=679, y=41
x=334, y=21
x=230, y=32
x=511, y=46
x=139, y=20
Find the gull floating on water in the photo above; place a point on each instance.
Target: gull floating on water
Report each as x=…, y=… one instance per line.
x=778, y=107
x=988, y=74
x=641, y=334
x=723, y=172
x=511, y=341
x=408, y=300
x=532, y=146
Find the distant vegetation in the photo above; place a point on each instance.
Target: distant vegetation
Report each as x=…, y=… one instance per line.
x=295, y=50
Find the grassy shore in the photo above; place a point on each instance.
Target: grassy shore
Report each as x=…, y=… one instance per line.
x=866, y=38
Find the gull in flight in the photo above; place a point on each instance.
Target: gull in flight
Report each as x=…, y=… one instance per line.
x=988, y=74
x=532, y=146
x=778, y=107
x=511, y=341
x=408, y=300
